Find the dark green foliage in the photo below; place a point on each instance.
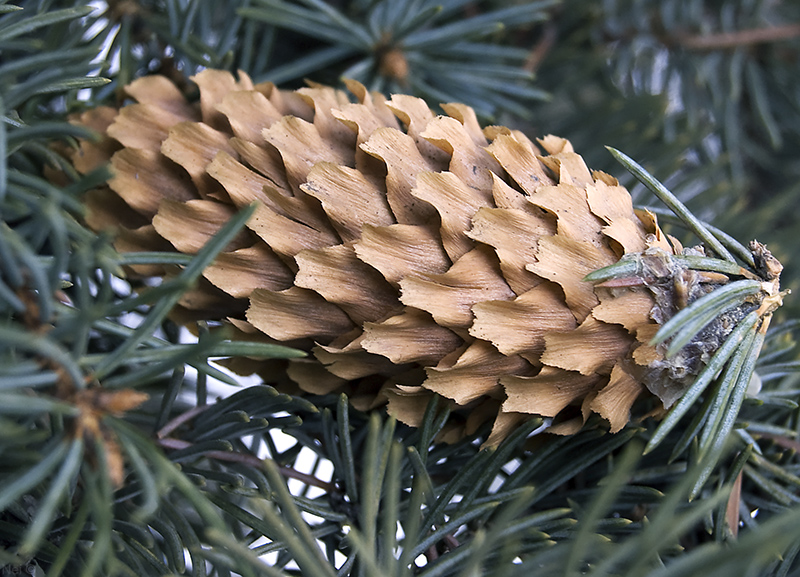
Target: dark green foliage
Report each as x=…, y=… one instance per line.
x=421, y=47
x=96, y=480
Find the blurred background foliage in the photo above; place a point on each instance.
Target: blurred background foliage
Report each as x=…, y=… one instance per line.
x=163, y=471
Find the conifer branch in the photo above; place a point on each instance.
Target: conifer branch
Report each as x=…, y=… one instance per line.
x=152, y=470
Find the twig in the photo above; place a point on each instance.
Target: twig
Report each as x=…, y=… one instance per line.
x=732, y=509
x=543, y=46
x=170, y=426
x=311, y=480
x=250, y=461
x=781, y=440
x=740, y=37
x=452, y=542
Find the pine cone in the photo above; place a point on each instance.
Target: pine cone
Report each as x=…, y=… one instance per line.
x=410, y=253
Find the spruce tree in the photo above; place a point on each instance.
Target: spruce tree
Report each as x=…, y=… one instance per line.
x=133, y=443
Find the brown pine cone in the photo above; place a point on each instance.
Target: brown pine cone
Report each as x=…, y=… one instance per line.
x=410, y=253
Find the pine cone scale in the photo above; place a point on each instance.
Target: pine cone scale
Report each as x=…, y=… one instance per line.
x=520, y=162
x=519, y=325
x=193, y=145
x=548, y=393
x=348, y=198
x=336, y=274
x=143, y=179
x=402, y=249
x=566, y=262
